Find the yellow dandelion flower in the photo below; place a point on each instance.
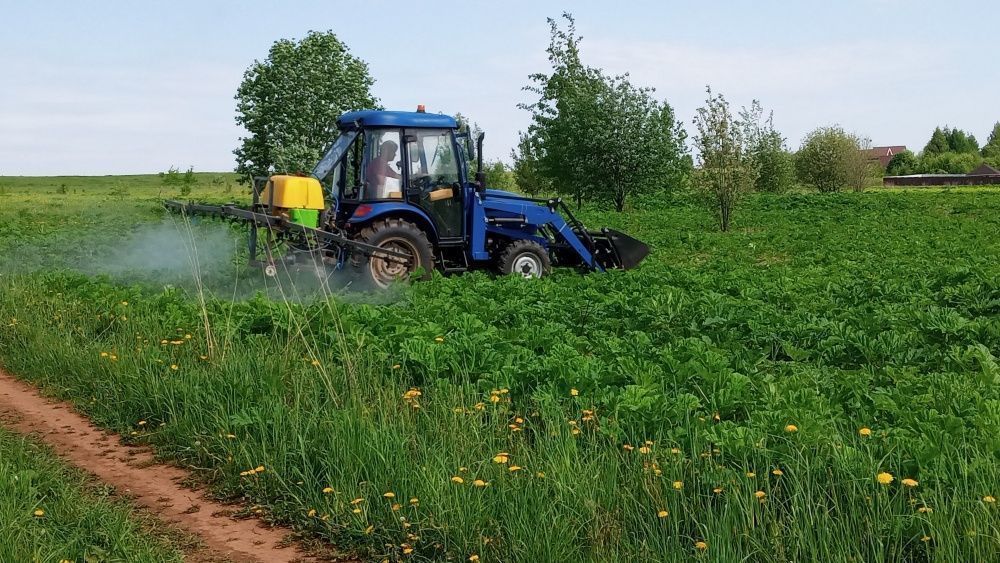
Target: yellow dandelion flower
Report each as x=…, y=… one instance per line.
x=409, y=550
x=644, y=450
x=231, y=436
x=925, y=510
x=396, y=366
x=187, y=337
x=574, y=392
x=114, y=357
x=501, y=458
x=925, y=539
x=311, y=513
x=751, y=474
x=457, y=479
x=574, y=431
x=678, y=485
x=675, y=451
x=791, y=428
x=700, y=545
x=628, y=447
x=885, y=478
x=439, y=339
x=662, y=514
x=463, y=469
x=473, y=557
x=369, y=530
x=395, y=507
x=513, y=468
x=327, y=490
x=864, y=431
x=173, y=367
x=777, y=472
x=389, y=494
x=315, y=363
x=909, y=482
x=104, y=354
x=414, y=501
x=717, y=490
x=39, y=513
x=357, y=501
x=259, y=469
x=989, y=499
x=142, y=423
x=479, y=483
x=540, y=474
x=494, y=398
x=760, y=495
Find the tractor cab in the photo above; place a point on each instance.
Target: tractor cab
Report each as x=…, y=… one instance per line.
x=406, y=164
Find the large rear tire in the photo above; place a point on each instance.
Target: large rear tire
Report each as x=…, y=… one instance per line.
x=526, y=258
x=399, y=235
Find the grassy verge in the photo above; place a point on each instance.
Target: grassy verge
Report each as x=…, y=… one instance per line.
x=51, y=513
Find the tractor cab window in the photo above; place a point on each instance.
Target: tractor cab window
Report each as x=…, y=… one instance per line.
x=382, y=174
x=344, y=180
x=433, y=179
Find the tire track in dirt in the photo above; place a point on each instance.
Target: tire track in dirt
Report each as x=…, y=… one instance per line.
x=133, y=471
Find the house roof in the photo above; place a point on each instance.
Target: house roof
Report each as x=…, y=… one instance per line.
x=886, y=151
x=985, y=170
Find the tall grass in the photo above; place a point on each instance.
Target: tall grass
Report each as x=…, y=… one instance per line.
x=51, y=513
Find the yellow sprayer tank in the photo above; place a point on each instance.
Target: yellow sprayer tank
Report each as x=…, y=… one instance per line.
x=293, y=192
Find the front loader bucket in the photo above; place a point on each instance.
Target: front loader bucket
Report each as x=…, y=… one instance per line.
x=616, y=250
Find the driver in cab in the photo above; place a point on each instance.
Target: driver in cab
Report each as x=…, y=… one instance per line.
x=379, y=169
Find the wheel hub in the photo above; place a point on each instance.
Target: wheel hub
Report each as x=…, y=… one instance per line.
x=528, y=266
x=386, y=271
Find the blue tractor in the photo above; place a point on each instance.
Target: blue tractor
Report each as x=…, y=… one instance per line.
x=394, y=196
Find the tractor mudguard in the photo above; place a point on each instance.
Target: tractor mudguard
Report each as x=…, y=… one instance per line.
x=372, y=211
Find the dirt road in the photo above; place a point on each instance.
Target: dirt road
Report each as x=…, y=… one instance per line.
x=133, y=472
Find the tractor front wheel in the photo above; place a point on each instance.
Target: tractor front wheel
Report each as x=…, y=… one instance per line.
x=526, y=258
x=401, y=236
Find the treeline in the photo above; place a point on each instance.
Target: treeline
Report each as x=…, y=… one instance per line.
x=949, y=151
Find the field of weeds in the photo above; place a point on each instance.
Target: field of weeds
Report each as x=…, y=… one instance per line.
x=820, y=384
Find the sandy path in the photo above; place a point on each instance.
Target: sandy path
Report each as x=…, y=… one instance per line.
x=132, y=471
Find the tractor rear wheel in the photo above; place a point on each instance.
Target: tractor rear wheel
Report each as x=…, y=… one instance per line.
x=401, y=236
x=526, y=258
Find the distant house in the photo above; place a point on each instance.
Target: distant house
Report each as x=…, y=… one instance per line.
x=884, y=154
x=985, y=170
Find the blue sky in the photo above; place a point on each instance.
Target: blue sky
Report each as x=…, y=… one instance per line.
x=131, y=87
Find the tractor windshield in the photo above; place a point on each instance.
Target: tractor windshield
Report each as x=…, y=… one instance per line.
x=332, y=156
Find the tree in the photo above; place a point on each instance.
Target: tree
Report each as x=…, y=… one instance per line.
x=830, y=160
x=949, y=163
x=775, y=168
x=289, y=102
x=902, y=164
x=725, y=167
x=991, y=150
x=527, y=168
x=961, y=142
x=938, y=143
x=862, y=169
x=595, y=137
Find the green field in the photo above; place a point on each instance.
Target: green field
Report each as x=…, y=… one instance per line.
x=734, y=398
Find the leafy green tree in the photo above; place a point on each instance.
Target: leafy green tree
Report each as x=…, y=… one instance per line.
x=902, y=164
x=595, y=137
x=828, y=160
x=949, y=163
x=775, y=166
x=527, y=168
x=938, y=143
x=289, y=102
x=991, y=150
x=725, y=167
x=961, y=142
